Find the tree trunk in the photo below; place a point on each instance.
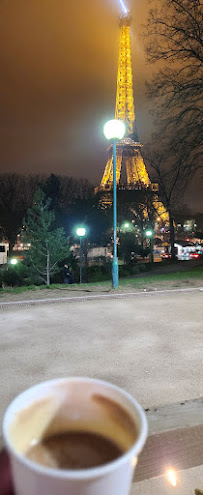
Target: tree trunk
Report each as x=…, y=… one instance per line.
x=142, y=239
x=172, y=235
x=12, y=241
x=48, y=267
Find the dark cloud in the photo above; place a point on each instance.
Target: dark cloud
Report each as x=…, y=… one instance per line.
x=58, y=61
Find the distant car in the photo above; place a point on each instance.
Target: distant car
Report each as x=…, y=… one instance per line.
x=165, y=256
x=196, y=255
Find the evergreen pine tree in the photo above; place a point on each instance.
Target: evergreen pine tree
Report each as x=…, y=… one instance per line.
x=48, y=245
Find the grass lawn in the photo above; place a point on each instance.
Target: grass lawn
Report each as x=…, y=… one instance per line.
x=196, y=274
x=193, y=277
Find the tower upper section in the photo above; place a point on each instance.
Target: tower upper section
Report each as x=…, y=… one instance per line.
x=125, y=110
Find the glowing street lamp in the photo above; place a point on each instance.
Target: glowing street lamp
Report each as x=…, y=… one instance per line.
x=14, y=261
x=114, y=130
x=80, y=231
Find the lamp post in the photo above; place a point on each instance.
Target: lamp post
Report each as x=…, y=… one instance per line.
x=149, y=235
x=114, y=130
x=81, y=233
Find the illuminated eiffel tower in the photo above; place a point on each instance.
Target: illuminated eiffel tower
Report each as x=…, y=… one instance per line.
x=131, y=173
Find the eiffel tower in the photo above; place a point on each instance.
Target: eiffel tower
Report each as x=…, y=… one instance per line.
x=131, y=172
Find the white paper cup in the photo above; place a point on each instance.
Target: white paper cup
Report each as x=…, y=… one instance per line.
x=79, y=404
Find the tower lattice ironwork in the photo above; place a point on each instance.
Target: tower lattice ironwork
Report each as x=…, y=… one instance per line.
x=131, y=172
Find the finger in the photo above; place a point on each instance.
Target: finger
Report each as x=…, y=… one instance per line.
x=6, y=485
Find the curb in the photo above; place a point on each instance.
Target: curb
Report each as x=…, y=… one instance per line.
x=60, y=300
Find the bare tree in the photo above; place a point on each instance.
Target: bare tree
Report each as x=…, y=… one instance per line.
x=16, y=194
x=170, y=170
x=173, y=36
x=72, y=189
x=139, y=205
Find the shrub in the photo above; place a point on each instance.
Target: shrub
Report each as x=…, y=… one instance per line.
x=15, y=276
x=99, y=273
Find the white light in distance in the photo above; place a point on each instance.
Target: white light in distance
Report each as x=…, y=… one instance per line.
x=80, y=232
x=14, y=261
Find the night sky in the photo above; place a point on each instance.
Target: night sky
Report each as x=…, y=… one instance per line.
x=58, y=61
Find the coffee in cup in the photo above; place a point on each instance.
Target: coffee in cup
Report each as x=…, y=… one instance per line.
x=74, y=435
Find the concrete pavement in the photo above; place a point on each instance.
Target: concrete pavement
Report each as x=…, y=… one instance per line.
x=151, y=346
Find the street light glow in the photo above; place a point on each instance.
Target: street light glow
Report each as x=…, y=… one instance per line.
x=114, y=129
x=80, y=231
x=149, y=233
x=14, y=261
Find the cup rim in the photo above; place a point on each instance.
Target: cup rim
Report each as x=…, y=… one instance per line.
x=77, y=474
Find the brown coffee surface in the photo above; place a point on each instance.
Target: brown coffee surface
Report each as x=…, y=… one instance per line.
x=74, y=450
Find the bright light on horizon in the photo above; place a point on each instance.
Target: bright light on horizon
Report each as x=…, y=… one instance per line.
x=124, y=8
